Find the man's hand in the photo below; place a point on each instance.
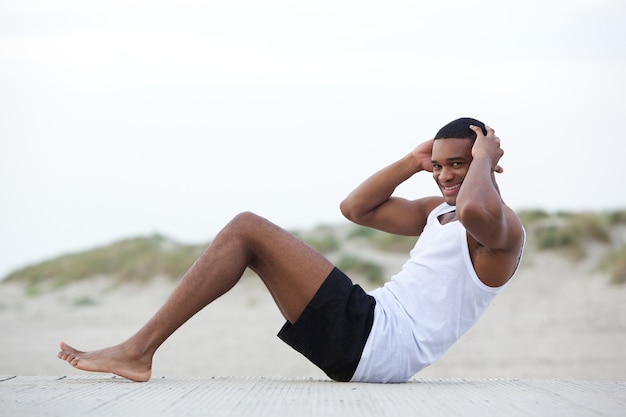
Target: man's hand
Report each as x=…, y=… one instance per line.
x=488, y=145
x=423, y=153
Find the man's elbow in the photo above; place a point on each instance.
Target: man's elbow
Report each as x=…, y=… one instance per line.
x=351, y=211
x=480, y=211
x=347, y=209
x=490, y=232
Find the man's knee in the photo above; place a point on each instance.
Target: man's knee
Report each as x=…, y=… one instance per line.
x=244, y=223
x=253, y=229
x=246, y=218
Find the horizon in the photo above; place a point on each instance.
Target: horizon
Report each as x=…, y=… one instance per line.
x=531, y=217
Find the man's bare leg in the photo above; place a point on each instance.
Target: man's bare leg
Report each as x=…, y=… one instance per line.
x=291, y=270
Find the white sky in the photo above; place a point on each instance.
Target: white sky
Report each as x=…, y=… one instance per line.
x=120, y=118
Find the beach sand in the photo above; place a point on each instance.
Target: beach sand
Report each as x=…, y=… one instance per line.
x=556, y=319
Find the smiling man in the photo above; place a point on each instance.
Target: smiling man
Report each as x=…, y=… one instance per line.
x=469, y=247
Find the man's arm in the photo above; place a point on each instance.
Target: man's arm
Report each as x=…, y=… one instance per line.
x=479, y=205
x=371, y=203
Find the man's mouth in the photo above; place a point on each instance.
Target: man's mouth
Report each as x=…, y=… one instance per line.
x=450, y=189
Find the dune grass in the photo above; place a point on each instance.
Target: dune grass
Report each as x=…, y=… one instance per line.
x=615, y=264
x=382, y=241
x=135, y=259
x=322, y=238
x=372, y=272
x=143, y=258
x=569, y=232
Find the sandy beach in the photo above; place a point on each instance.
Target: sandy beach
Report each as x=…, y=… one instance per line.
x=557, y=319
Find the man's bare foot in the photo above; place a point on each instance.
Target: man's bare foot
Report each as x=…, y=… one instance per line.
x=115, y=360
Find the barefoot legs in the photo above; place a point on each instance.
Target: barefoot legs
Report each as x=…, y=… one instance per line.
x=290, y=269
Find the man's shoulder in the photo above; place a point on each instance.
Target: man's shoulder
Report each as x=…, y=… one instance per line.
x=431, y=203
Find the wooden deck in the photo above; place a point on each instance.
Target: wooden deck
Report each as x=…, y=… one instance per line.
x=103, y=395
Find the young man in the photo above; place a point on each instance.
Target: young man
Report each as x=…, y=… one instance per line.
x=469, y=247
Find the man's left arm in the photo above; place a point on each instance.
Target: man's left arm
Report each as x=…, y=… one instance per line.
x=479, y=205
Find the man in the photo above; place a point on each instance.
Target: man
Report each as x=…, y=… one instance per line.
x=469, y=247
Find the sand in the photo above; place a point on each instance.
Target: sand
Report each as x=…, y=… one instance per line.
x=556, y=319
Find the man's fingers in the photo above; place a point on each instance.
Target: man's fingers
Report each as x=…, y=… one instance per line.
x=477, y=130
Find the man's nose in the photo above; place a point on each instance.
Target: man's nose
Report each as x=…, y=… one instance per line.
x=445, y=174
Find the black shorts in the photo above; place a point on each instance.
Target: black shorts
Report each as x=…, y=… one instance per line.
x=333, y=329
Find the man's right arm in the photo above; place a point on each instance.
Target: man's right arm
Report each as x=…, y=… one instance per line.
x=372, y=204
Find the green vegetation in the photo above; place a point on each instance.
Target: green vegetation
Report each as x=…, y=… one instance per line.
x=84, y=301
x=385, y=242
x=136, y=259
x=615, y=264
x=570, y=232
x=322, y=239
x=371, y=271
x=616, y=217
x=530, y=216
x=142, y=258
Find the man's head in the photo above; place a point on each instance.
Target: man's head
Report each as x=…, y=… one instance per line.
x=451, y=158
x=459, y=129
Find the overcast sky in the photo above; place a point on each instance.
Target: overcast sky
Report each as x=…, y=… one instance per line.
x=121, y=118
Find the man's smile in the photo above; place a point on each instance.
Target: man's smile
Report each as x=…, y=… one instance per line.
x=450, y=189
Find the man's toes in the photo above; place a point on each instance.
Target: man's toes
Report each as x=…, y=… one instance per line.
x=72, y=360
x=67, y=348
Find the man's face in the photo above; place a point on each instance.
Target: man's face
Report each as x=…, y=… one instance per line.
x=451, y=159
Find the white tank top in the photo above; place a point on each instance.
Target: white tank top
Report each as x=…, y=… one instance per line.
x=426, y=307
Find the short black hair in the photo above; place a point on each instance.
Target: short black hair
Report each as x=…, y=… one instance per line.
x=459, y=128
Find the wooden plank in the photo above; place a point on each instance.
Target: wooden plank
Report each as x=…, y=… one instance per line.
x=101, y=395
